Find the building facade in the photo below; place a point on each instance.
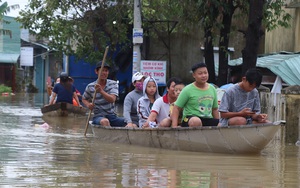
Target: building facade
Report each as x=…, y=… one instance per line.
x=9, y=52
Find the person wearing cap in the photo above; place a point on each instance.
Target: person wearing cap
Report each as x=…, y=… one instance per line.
x=198, y=100
x=107, y=91
x=130, y=101
x=64, y=91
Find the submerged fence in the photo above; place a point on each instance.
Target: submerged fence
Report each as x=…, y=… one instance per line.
x=273, y=104
x=284, y=106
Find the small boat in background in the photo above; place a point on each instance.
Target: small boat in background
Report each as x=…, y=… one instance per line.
x=63, y=109
x=242, y=139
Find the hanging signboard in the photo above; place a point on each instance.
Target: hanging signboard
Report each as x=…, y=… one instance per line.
x=137, y=36
x=155, y=69
x=26, y=58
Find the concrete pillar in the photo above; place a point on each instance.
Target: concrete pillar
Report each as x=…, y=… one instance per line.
x=292, y=96
x=264, y=99
x=298, y=142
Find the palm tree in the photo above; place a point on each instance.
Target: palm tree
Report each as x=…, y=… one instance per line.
x=4, y=8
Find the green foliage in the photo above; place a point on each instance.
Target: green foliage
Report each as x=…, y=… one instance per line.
x=4, y=8
x=186, y=13
x=275, y=16
x=83, y=28
x=5, y=89
x=86, y=27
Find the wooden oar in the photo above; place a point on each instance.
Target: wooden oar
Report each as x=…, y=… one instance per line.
x=94, y=96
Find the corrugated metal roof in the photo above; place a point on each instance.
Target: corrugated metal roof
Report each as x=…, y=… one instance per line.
x=285, y=65
x=37, y=44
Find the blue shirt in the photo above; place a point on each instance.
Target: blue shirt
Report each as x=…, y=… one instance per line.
x=63, y=93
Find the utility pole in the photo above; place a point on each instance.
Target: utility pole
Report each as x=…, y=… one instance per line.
x=137, y=37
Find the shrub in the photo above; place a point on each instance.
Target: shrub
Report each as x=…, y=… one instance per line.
x=4, y=89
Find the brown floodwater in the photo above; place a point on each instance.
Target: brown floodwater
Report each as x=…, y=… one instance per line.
x=56, y=154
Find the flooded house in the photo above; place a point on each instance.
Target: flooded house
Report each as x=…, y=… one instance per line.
x=9, y=52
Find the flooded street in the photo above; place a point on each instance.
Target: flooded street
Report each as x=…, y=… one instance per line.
x=56, y=154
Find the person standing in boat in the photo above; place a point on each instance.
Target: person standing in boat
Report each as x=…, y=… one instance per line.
x=130, y=101
x=64, y=91
x=240, y=104
x=159, y=115
x=104, y=104
x=145, y=103
x=198, y=101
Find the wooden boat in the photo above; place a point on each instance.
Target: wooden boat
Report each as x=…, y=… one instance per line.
x=69, y=121
x=63, y=109
x=233, y=139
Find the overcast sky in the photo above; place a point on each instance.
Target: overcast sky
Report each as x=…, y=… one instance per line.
x=21, y=3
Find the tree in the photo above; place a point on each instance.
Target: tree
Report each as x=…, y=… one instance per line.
x=215, y=17
x=270, y=13
x=225, y=30
x=253, y=34
x=92, y=24
x=78, y=27
x=211, y=12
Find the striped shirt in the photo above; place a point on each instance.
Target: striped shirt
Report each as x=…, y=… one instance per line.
x=102, y=106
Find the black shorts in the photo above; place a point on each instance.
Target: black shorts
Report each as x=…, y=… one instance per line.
x=205, y=121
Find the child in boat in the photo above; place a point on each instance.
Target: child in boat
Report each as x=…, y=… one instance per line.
x=160, y=112
x=198, y=101
x=130, y=101
x=240, y=104
x=145, y=103
x=63, y=91
x=177, y=89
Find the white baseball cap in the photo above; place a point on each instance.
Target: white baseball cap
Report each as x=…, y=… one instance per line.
x=137, y=76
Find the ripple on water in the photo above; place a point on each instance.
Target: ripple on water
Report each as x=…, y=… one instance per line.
x=32, y=155
x=20, y=111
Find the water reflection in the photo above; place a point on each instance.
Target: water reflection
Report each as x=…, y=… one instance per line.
x=35, y=155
